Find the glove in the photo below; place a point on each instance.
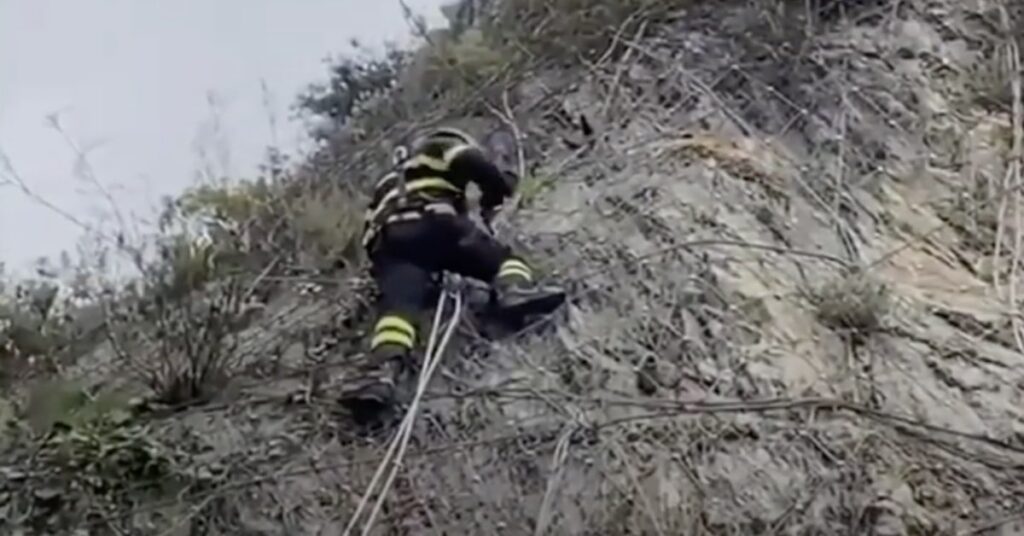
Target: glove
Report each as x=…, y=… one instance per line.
x=511, y=179
x=487, y=213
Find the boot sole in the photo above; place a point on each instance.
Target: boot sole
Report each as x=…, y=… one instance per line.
x=540, y=306
x=368, y=410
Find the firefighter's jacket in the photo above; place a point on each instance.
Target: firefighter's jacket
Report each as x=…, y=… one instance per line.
x=434, y=178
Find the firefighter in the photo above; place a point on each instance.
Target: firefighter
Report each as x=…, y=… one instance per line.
x=416, y=227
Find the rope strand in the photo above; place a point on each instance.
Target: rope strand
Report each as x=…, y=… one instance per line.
x=432, y=357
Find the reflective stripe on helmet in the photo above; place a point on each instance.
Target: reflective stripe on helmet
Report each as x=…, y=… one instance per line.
x=448, y=132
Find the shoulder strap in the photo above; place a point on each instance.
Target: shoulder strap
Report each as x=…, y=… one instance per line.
x=399, y=156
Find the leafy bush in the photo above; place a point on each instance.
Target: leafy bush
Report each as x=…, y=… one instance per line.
x=351, y=82
x=187, y=263
x=328, y=225
x=567, y=28
x=298, y=218
x=89, y=455
x=32, y=329
x=190, y=351
x=176, y=330
x=461, y=63
x=486, y=46
x=236, y=203
x=67, y=404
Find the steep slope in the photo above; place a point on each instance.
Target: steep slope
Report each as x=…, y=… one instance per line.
x=791, y=244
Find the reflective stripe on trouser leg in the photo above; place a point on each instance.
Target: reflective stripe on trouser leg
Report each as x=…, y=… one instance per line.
x=513, y=268
x=392, y=329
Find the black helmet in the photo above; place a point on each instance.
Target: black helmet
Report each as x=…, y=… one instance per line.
x=434, y=141
x=449, y=132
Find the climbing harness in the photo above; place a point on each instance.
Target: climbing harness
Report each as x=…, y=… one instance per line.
x=399, y=194
x=398, y=157
x=437, y=343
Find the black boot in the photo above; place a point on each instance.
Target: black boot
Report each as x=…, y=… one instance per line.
x=373, y=393
x=515, y=298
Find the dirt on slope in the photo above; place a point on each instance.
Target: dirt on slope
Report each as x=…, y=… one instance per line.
x=790, y=243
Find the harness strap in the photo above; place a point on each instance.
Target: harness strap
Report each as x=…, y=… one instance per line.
x=413, y=186
x=407, y=215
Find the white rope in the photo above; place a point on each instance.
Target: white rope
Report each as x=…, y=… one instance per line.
x=432, y=357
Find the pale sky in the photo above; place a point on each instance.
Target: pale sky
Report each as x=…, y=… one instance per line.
x=130, y=80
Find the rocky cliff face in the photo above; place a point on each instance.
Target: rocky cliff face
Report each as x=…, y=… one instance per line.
x=792, y=240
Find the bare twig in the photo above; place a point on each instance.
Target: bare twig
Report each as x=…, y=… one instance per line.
x=637, y=488
x=619, y=69
x=557, y=463
x=14, y=178
x=85, y=171
x=1013, y=70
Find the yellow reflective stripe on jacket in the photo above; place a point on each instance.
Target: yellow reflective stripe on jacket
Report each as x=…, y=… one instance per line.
x=450, y=154
x=441, y=166
x=505, y=274
x=515, y=267
x=412, y=186
x=432, y=182
x=391, y=337
x=392, y=329
x=396, y=323
x=385, y=179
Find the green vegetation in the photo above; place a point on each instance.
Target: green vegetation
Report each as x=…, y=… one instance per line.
x=91, y=457
x=855, y=304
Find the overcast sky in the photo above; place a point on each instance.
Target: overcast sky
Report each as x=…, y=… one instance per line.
x=131, y=82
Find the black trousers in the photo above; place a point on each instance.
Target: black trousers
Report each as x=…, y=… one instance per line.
x=407, y=261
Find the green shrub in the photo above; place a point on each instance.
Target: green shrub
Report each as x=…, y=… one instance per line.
x=186, y=264
x=855, y=304
x=30, y=331
x=82, y=454
x=531, y=187
x=466, y=61
x=351, y=82
x=329, y=224
x=567, y=28
x=235, y=203
x=62, y=403
x=186, y=352
x=93, y=438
